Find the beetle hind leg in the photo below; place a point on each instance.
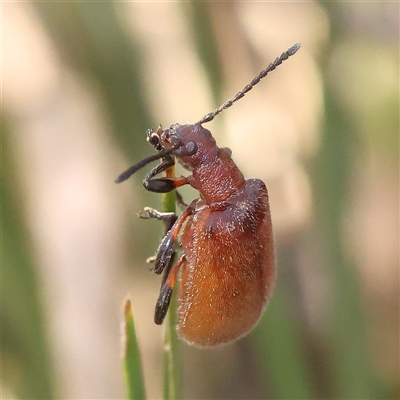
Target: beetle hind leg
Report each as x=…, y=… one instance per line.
x=166, y=290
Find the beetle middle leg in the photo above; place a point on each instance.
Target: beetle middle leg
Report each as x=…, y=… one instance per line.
x=169, y=218
x=173, y=225
x=166, y=248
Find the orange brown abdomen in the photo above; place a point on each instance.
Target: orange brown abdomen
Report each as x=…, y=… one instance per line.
x=229, y=272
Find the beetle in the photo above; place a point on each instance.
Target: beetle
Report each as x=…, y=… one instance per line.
x=227, y=263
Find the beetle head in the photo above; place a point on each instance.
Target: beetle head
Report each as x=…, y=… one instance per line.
x=194, y=145
x=190, y=144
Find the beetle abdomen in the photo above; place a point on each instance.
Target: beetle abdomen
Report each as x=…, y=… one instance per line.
x=229, y=271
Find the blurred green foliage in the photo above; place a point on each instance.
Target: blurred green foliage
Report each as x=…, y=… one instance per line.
x=26, y=361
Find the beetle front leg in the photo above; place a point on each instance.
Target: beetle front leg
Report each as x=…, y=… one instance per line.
x=164, y=185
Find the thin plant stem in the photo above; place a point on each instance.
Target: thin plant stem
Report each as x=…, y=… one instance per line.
x=172, y=357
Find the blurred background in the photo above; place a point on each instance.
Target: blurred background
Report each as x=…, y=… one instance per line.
x=81, y=83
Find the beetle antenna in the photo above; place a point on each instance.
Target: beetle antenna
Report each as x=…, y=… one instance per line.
x=284, y=56
x=131, y=170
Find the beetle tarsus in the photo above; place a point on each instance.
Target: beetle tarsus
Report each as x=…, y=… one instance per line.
x=169, y=218
x=162, y=304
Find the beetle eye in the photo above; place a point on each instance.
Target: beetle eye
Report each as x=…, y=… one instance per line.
x=191, y=148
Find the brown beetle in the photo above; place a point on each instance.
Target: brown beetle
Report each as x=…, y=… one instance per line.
x=227, y=263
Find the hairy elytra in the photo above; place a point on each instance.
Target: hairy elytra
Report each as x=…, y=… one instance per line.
x=227, y=262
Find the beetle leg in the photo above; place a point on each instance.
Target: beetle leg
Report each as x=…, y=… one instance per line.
x=167, y=287
x=164, y=185
x=168, y=217
x=179, y=200
x=166, y=248
x=166, y=163
x=151, y=260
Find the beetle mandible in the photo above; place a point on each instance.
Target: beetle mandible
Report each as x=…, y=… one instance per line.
x=227, y=265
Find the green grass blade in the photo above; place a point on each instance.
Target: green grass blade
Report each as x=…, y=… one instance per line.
x=132, y=362
x=27, y=368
